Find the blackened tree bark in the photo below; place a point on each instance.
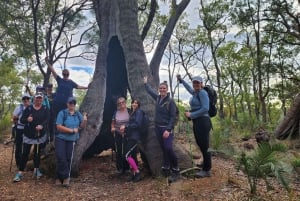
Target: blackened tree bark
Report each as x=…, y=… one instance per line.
x=117, y=20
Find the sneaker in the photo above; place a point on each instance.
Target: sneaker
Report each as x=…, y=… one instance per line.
x=174, y=175
x=137, y=177
x=165, y=171
x=37, y=173
x=18, y=177
x=202, y=174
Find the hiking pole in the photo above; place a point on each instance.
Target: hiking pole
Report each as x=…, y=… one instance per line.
x=37, y=155
x=13, y=149
x=116, y=149
x=178, y=103
x=190, y=142
x=122, y=152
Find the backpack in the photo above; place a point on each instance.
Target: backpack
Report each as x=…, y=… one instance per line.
x=212, y=95
x=65, y=116
x=21, y=110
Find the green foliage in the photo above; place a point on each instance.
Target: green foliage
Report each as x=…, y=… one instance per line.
x=296, y=163
x=263, y=163
x=220, y=134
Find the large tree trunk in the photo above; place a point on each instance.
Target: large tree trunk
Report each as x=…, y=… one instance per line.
x=121, y=64
x=290, y=124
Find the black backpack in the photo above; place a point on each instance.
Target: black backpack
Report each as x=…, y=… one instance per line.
x=212, y=95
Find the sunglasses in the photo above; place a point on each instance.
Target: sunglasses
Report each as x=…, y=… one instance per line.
x=72, y=103
x=122, y=102
x=27, y=98
x=65, y=74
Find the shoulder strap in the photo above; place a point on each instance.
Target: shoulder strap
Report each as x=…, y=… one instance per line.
x=21, y=110
x=64, y=117
x=77, y=114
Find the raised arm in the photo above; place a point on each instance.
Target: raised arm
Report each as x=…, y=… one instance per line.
x=81, y=87
x=50, y=66
x=149, y=90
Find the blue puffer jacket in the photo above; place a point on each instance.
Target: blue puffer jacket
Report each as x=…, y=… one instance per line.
x=134, y=125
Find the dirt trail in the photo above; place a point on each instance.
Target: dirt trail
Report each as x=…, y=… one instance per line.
x=98, y=180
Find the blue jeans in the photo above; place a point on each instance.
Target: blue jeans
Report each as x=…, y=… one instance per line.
x=169, y=157
x=64, y=155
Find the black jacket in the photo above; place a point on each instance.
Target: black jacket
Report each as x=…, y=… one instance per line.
x=165, y=110
x=40, y=117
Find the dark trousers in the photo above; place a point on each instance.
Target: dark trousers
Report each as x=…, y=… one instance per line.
x=56, y=108
x=121, y=143
x=64, y=156
x=18, y=146
x=169, y=156
x=201, y=128
x=131, y=149
x=25, y=155
x=51, y=125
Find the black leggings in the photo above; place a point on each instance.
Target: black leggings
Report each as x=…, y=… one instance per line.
x=25, y=155
x=201, y=128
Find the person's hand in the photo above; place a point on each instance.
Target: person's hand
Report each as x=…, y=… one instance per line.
x=75, y=130
x=30, y=118
x=187, y=114
x=39, y=127
x=84, y=116
x=122, y=128
x=145, y=79
x=178, y=76
x=113, y=129
x=166, y=134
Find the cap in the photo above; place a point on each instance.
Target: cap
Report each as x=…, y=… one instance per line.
x=197, y=78
x=40, y=88
x=72, y=100
x=38, y=95
x=25, y=96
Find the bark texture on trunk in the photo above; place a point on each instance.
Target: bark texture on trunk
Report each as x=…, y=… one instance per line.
x=93, y=103
x=118, y=23
x=290, y=124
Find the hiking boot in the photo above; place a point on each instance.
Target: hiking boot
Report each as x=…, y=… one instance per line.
x=137, y=177
x=37, y=173
x=175, y=174
x=203, y=173
x=165, y=171
x=130, y=178
x=66, y=182
x=18, y=177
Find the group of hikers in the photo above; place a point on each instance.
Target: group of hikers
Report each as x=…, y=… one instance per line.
x=35, y=118
x=38, y=123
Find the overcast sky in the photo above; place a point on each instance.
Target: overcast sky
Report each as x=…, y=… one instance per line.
x=81, y=71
